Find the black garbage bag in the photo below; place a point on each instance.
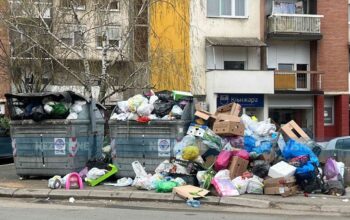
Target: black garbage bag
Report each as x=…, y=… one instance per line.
x=38, y=113
x=261, y=168
x=165, y=95
x=163, y=108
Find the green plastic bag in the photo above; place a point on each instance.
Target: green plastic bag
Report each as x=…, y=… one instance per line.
x=165, y=186
x=59, y=109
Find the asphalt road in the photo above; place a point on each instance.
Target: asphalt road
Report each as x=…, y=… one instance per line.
x=41, y=210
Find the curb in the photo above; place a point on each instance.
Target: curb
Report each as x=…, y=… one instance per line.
x=162, y=197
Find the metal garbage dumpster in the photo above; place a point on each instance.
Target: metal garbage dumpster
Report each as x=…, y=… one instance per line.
x=54, y=146
x=149, y=143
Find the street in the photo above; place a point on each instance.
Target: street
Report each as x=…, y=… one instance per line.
x=44, y=209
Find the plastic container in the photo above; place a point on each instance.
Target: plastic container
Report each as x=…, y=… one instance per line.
x=112, y=170
x=55, y=146
x=150, y=143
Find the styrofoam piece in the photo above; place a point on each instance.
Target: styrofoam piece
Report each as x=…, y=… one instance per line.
x=281, y=169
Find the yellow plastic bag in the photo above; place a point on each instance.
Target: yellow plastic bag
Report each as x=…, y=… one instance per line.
x=190, y=153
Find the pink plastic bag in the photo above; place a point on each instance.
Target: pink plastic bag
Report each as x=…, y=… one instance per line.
x=225, y=187
x=223, y=160
x=242, y=154
x=331, y=168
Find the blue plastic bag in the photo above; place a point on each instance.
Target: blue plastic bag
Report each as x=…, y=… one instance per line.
x=295, y=149
x=249, y=143
x=265, y=147
x=305, y=172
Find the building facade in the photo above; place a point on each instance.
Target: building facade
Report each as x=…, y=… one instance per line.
x=280, y=59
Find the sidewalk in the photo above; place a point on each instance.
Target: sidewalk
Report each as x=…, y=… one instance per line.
x=11, y=186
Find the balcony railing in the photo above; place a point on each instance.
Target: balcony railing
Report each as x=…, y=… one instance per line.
x=294, y=23
x=298, y=80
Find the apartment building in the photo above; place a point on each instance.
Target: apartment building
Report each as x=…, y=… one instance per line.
x=307, y=44
x=283, y=59
x=62, y=28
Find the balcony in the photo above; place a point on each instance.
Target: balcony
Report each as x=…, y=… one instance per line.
x=294, y=26
x=240, y=81
x=298, y=81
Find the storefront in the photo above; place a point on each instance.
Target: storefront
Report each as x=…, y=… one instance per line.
x=300, y=108
x=252, y=104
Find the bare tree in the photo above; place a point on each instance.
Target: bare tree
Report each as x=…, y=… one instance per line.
x=72, y=42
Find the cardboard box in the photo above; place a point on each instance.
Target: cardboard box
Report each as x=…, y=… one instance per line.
x=190, y=192
x=237, y=167
x=283, y=191
x=230, y=109
x=293, y=131
x=228, y=128
x=280, y=182
x=281, y=169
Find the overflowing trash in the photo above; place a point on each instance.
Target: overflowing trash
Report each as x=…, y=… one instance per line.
x=42, y=106
x=164, y=105
x=230, y=154
x=225, y=154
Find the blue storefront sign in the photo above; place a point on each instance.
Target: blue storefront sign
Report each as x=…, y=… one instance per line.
x=245, y=100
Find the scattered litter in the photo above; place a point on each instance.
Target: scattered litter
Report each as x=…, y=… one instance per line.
x=71, y=200
x=345, y=200
x=193, y=203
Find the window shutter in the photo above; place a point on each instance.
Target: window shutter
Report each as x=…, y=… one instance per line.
x=213, y=8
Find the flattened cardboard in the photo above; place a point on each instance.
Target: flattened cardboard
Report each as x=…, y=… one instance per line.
x=293, y=131
x=283, y=191
x=190, y=192
x=238, y=166
x=280, y=182
x=203, y=114
x=228, y=128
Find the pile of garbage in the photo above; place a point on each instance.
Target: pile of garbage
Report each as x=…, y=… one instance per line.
x=230, y=155
x=164, y=105
x=42, y=106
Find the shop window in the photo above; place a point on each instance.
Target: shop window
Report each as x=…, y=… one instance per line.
x=226, y=8
x=328, y=115
x=233, y=65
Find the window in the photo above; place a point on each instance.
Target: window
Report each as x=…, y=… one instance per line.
x=110, y=34
x=72, y=36
x=226, y=8
x=114, y=5
x=286, y=66
x=343, y=144
x=233, y=65
x=78, y=4
x=328, y=115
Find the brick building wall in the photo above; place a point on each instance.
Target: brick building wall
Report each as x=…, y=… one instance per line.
x=333, y=48
x=4, y=76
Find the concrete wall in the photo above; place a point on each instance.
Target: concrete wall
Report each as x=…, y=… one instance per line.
x=288, y=52
x=91, y=19
x=202, y=26
x=250, y=56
